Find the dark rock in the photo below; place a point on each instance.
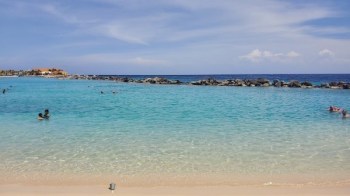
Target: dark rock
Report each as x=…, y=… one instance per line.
x=274, y=82
x=225, y=83
x=250, y=82
x=325, y=85
x=294, y=84
x=306, y=83
x=238, y=82
x=262, y=81
x=277, y=83
x=212, y=82
x=199, y=82
x=138, y=81
x=333, y=84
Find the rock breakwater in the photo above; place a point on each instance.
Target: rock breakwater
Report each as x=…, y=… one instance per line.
x=260, y=82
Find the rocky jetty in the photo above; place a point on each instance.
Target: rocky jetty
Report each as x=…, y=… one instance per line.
x=155, y=80
x=259, y=82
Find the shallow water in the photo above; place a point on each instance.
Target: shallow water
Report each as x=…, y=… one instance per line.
x=152, y=131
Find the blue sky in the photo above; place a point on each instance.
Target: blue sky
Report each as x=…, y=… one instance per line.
x=176, y=36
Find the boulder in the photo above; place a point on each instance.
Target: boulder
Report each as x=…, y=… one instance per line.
x=333, y=84
x=306, y=83
x=212, y=82
x=277, y=84
x=265, y=85
x=225, y=83
x=250, y=82
x=149, y=80
x=199, y=82
x=238, y=82
x=262, y=81
x=325, y=85
x=156, y=80
x=294, y=84
x=138, y=81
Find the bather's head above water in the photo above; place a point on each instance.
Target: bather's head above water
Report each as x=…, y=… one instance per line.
x=40, y=116
x=46, y=113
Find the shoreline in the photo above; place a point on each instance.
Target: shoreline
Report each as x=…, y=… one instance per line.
x=178, y=180
x=18, y=189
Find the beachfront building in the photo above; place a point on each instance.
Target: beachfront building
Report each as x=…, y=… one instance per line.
x=49, y=71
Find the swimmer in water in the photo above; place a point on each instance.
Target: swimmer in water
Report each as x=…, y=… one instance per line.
x=334, y=109
x=40, y=116
x=46, y=114
x=345, y=114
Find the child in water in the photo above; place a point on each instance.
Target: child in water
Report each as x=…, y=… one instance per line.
x=345, y=114
x=46, y=114
x=40, y=116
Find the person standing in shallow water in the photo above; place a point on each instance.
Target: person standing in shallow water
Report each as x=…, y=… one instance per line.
x=40, y=116
x=46, y=114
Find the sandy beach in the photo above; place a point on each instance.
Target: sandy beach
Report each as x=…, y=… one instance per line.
x=16, y=190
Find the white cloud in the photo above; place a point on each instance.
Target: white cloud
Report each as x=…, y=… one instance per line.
x=116, y=59
x=293, y=54
x=269, y=17
x=114, y=31
x=326, y=53
x=54, y=11
x=145, y=61
x=257, y=55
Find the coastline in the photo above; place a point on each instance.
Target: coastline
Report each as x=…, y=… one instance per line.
x=17, y=189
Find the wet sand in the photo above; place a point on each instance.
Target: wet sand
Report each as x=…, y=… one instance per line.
x=29, y=190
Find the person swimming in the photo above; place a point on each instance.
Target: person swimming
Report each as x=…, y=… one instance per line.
x=46, y=114
x=334, y=109
x=345, y=114
x=40, y=116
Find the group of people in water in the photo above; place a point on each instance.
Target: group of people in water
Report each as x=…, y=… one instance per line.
x=344, y=113
x=45, y=116
x=114, y=92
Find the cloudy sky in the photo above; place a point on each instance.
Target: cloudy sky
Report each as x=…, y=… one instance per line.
x=176, y=36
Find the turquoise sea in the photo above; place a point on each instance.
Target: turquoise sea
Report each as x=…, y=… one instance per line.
x=163, y=134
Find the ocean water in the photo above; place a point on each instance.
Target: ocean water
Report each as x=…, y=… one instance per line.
x=163, y=135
